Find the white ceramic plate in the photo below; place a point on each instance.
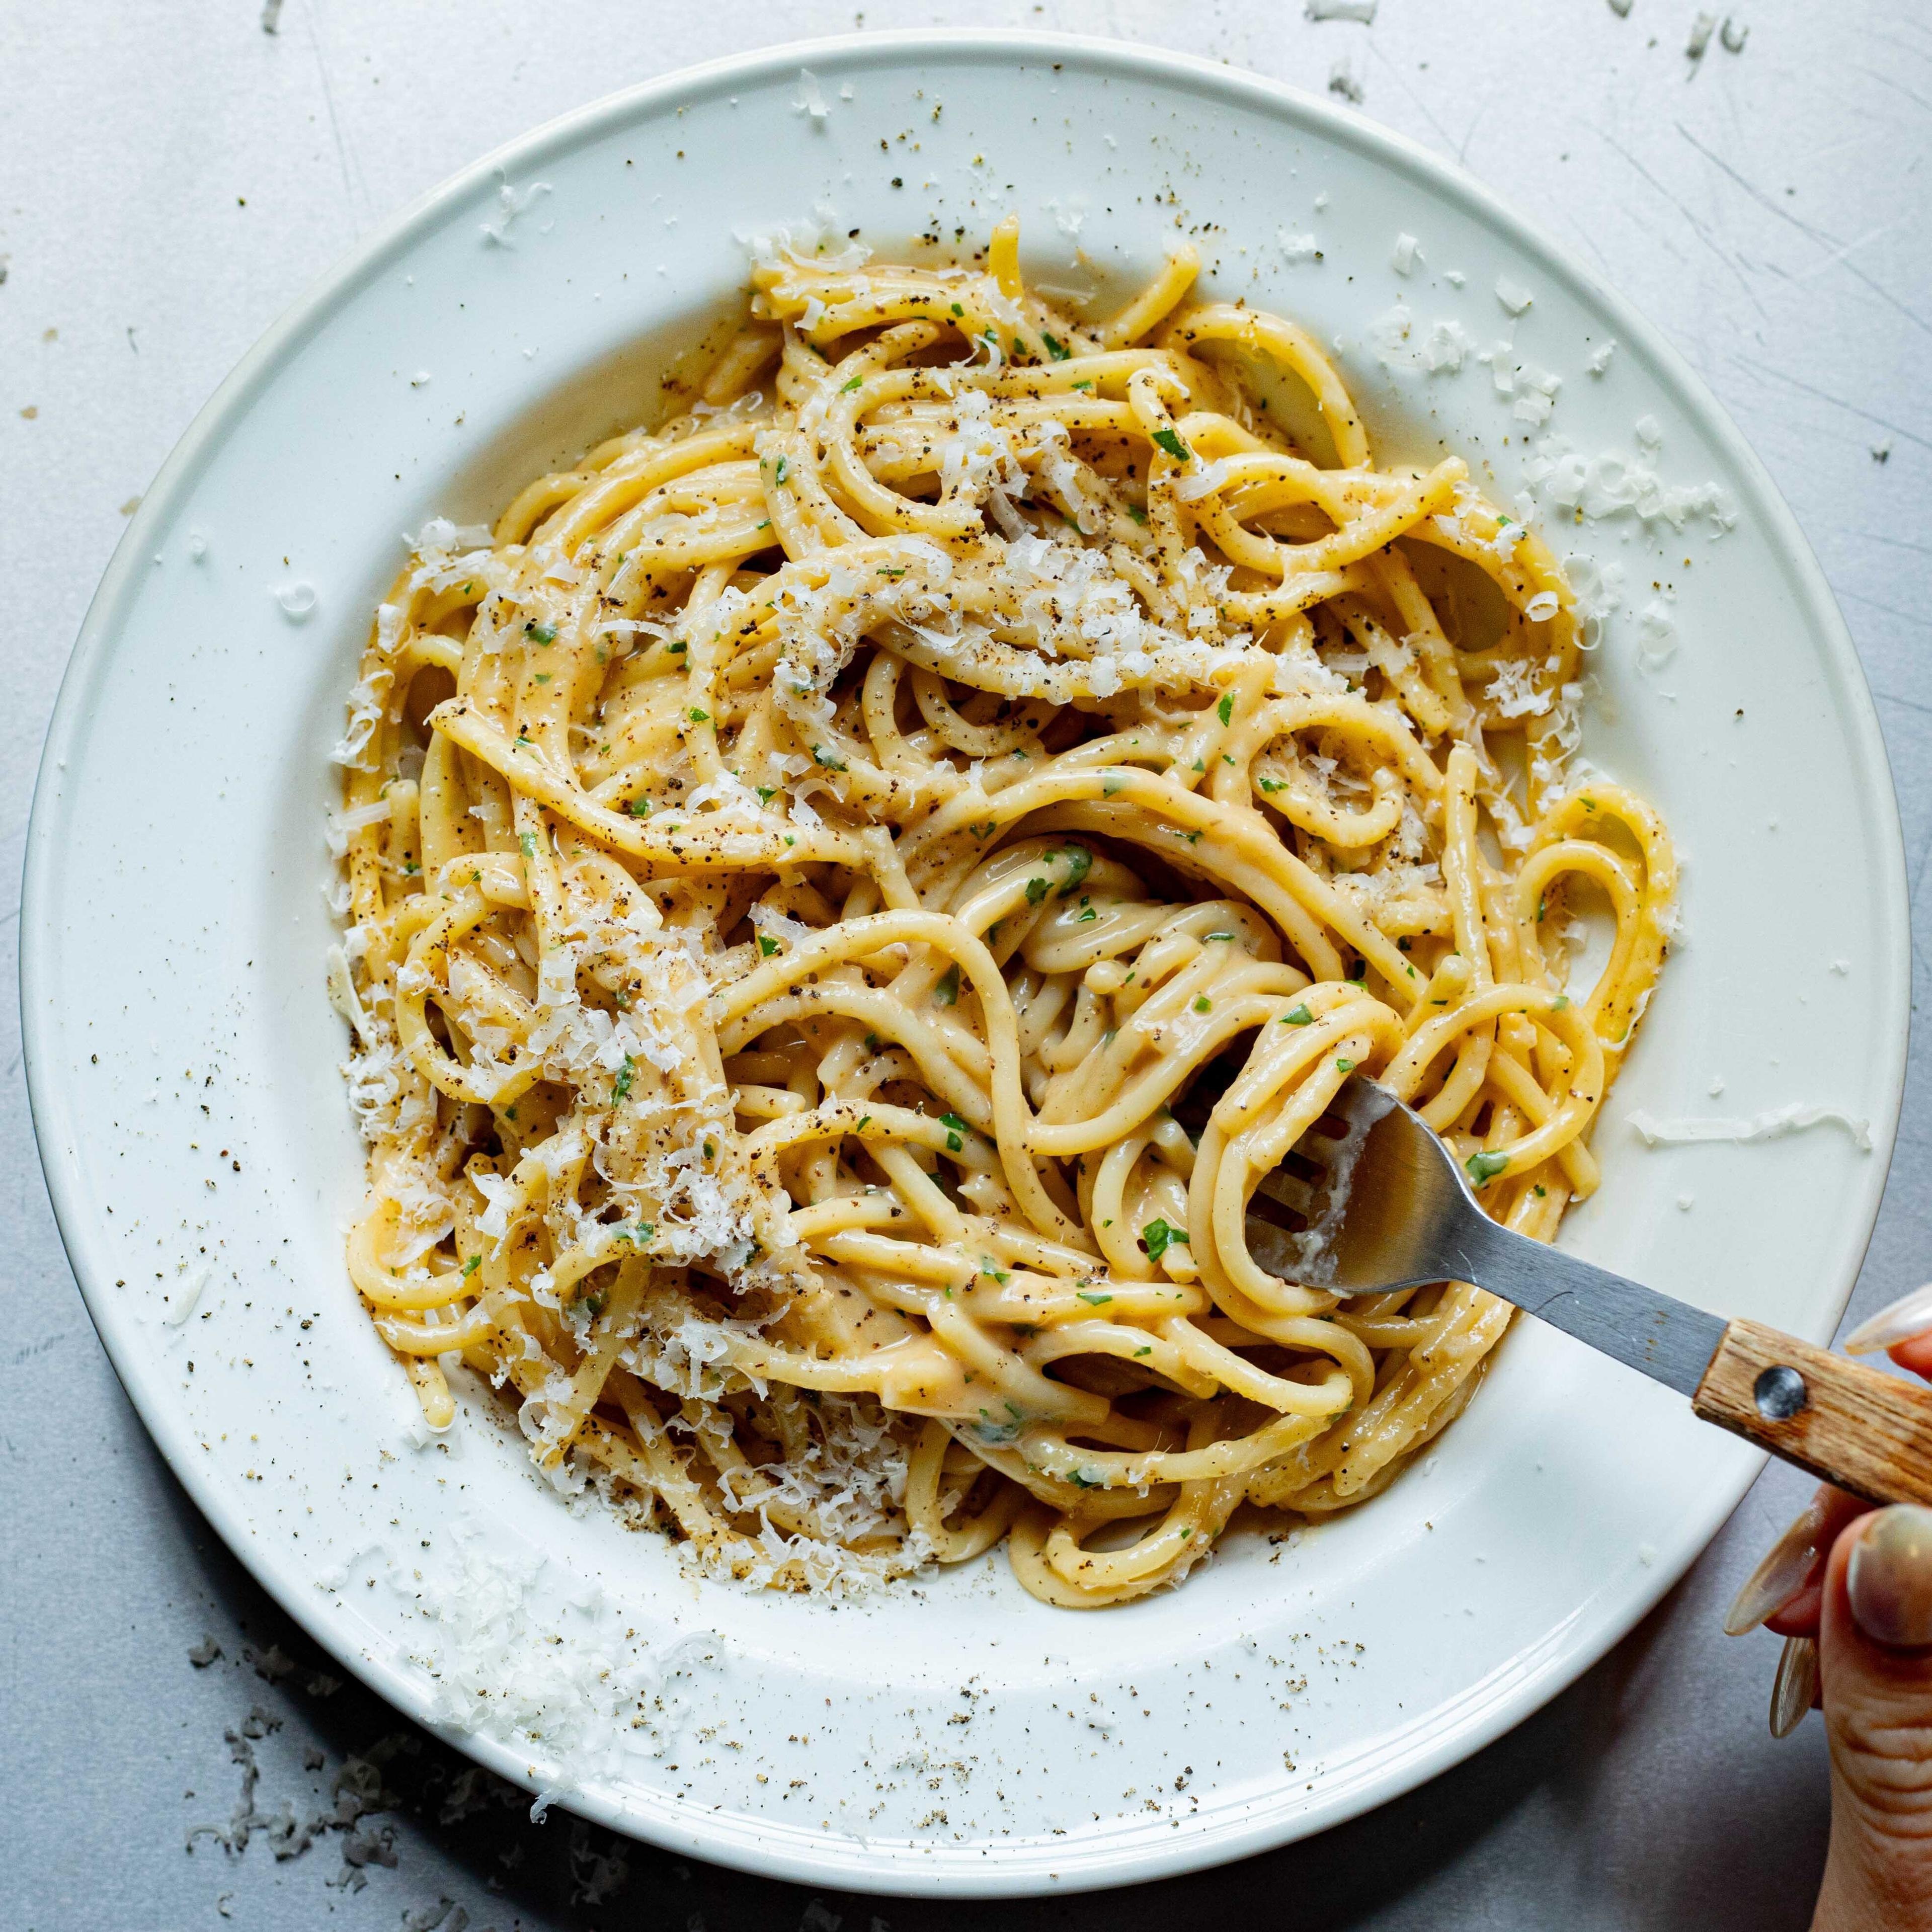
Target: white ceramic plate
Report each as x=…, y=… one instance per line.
x=955, y=1736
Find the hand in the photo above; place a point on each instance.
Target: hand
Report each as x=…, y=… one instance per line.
x=1849, y=1588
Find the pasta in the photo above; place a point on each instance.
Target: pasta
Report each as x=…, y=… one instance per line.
x=852, y=898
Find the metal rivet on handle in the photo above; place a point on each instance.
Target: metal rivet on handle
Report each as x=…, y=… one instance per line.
x=1781, y=1393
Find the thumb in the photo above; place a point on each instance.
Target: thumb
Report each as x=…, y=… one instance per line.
x=1875, y=1660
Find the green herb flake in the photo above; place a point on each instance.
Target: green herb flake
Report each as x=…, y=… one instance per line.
x=766, y=947
x=1226, y=709
x=1484, y=1167
x=527, y=841
x=1092, y=1300
x=780, y=471
x=1159, y=1237
x=947, y=991
x=540, y=634
x=856, y=383
x=620, y=1087
x=955, y=1130
x=1035, y=890
x=1203, y=1004
x=1057, y=349
x=470, y=1267
x=698, y=717
x=1297, y=1016
x=1170, y=440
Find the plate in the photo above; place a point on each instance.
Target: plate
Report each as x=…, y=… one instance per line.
x=953, y=1736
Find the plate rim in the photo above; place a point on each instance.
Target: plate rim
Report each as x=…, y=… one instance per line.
x=829, y=1860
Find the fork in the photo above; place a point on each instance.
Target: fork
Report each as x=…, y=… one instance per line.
x=1387, y=1207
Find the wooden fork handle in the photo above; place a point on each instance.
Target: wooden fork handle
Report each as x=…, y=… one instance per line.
x=1866, y=1431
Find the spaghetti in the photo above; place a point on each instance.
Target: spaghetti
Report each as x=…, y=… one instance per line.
x=849, y=895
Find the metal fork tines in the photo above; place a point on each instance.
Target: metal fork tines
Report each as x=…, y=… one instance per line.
x=1371, y=1201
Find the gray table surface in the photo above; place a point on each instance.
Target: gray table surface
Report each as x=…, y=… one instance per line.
x=170, y=178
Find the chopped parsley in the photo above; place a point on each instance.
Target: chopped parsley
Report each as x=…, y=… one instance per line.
x=1057, y=349
x=1297, y=1016
x=528, y=841
x=857, y=382
x=1158, y=1237
x=620, y=1087
x=1203, y=1004
x=766, y=947
x=780, y=471
x=947, y=991
x=1170, y=441
x=1092, y=1300
x=955, y=1129
x=1345, y=1066
x=470, y=1267
x=1484, y=1167
x=540, y=634
x=1226, y=709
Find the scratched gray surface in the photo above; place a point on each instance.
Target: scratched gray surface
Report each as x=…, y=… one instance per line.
x=170, y=178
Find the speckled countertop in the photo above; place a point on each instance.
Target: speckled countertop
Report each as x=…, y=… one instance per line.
x=170, y=179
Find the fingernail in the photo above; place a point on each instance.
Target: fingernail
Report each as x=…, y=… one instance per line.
x=1796, y=1685
x=1782, y=1574
x=1910, y=1315
x=1889, y=1579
